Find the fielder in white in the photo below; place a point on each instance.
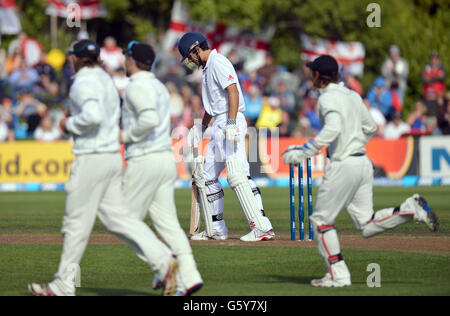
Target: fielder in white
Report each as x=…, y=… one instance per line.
x=151, y=170
x=223, y=101
x=347, y=183
x=95, y=184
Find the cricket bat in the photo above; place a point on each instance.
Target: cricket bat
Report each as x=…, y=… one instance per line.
x=195, y=206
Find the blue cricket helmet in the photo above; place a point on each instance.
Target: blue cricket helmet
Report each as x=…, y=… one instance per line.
x=188, y=42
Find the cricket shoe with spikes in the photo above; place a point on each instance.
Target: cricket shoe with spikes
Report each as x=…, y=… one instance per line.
x=169, y=285
x=40, y=289
x=204, y=236
x=190, y=291
x=328, y=282
x=423, y=212
x=157, y=284
x=258, y=235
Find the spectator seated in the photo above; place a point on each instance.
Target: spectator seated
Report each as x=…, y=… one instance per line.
x=253, y=104
x=380, y=97
x=271, y=114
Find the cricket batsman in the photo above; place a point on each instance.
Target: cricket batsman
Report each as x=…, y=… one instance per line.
x=151, y=170
x=223, y=100
x=95, y=184
x=347, y=183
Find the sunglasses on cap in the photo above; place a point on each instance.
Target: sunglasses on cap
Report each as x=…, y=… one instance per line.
x=82, y=48
x=129, y=50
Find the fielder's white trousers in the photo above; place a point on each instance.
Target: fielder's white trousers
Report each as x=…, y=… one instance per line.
x=216, y=155
x=149, y=185
x=95, y=188
x=348, y=184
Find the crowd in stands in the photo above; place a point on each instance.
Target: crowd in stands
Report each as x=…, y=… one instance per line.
x=33, y=96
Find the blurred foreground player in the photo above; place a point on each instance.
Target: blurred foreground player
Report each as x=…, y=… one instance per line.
x=348, y=178
x=95, y=184
x=151, y=172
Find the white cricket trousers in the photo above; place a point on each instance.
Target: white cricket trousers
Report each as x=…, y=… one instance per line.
x=216, y=156
x=348, y=184
x=149, y=185
x=95, y=188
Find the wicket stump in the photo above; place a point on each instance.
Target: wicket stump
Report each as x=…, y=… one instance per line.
x=301, y=205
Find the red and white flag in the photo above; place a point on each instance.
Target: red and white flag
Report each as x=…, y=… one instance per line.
x=224, y=38
x=178, y=25
x=9, y=19
x=349, y=54
x=87, y=9
x=31, y=51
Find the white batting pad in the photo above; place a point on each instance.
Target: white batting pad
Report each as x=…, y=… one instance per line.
x=199, y=178
x=238, y=182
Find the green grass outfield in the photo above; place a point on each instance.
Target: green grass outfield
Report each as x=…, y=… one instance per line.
x=242, y=270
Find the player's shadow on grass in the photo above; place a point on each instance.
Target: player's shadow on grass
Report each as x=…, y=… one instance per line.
x=307, y=280
x=119, y=292
x=290, y=279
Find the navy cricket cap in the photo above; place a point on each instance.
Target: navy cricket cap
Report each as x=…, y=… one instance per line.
x=326, y=65
x=142, y=53
x=188, y=42
x=84, y=48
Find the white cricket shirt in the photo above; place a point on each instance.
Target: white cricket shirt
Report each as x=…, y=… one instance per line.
x=347, y=123
x=219, y=74
x=95, y=110
x=146, y=116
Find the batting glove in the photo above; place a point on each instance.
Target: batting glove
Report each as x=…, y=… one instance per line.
x=232, y=132
x=199, y=174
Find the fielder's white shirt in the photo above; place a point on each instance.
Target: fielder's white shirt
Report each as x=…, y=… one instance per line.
x=95, y=110
x=219, y=74
x=146, y=116
x=347, y=123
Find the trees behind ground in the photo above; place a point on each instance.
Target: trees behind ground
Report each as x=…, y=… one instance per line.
x=416, y=26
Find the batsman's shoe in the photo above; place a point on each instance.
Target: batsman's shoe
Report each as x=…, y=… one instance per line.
x=170, y=281
x=40, y=289
x=424, y=214
x=258, y=235
x=190, y=291
x=204, y=236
